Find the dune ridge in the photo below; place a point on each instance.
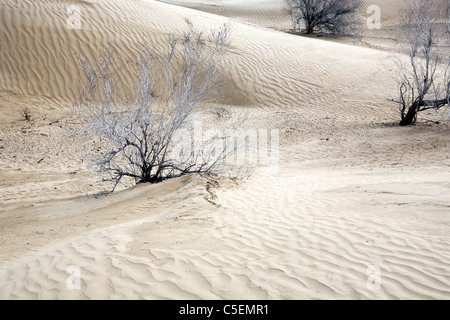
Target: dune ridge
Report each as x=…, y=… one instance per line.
x=47, y=49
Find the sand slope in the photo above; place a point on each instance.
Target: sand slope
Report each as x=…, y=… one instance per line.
x=353, y=193
x=40, y=58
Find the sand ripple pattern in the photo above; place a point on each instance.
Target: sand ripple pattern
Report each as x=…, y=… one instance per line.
x=264, y=68
x=263, y=243
x=309, y=231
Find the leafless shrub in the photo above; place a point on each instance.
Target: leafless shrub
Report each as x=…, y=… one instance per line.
x=220, y=112
x=141, y=128
x=423, y=77
x=25, y=112
x=330, y=16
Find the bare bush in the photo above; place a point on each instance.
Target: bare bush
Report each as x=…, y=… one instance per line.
x=330, y=16
x=139, y=106
x=423, y=77
x=25, y=112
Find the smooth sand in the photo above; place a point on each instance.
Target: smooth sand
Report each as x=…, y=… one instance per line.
x=353, y=194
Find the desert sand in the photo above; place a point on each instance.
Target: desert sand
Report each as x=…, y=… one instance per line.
x=358, y=209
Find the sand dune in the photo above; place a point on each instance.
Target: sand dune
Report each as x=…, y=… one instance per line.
x=273, y=14
x=40, y=58
x=265, y=13
x=353, y=195
x=39, y=52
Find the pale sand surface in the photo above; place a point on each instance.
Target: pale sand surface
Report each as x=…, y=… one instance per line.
x=353, y=191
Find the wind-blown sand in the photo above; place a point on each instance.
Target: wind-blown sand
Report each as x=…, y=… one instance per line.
x=354, y=193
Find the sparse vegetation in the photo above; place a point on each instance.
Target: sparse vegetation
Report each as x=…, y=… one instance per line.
x=424, y=77
x=25, y=112
x=330, y=16
x=140, y=129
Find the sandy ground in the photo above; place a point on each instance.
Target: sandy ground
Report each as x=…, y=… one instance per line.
x=359, y=208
